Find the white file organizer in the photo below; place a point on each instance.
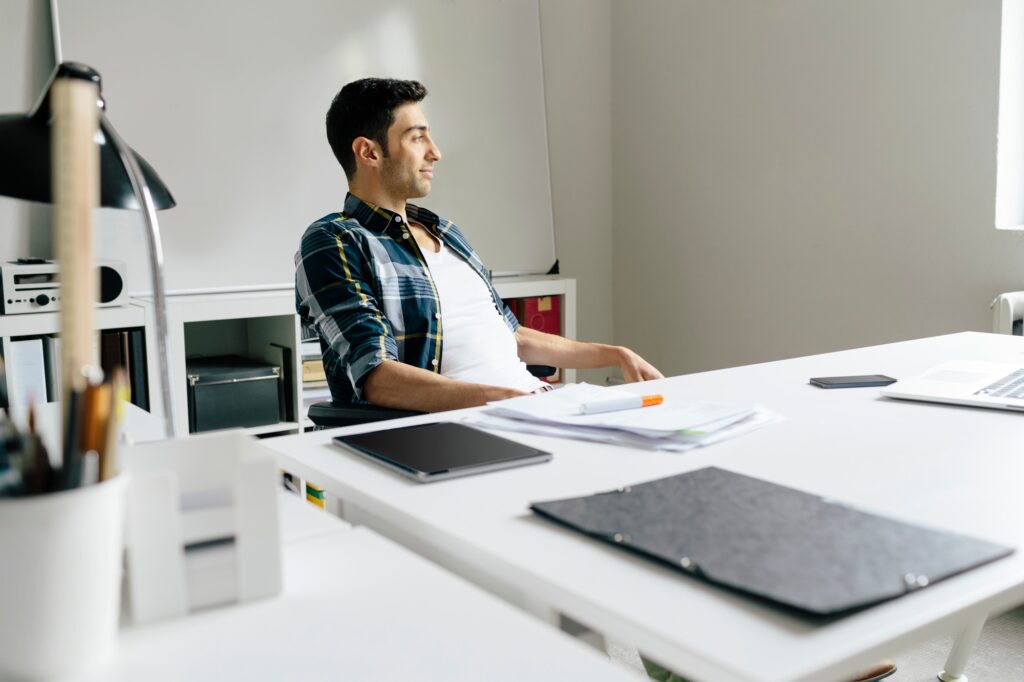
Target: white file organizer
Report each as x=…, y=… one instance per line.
x=202, y=524
x=1007, y=309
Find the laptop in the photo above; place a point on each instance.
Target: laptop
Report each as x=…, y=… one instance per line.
x=979, y=384
x=434, y=452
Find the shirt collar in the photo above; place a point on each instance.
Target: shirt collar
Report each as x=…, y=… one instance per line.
x=378, y=219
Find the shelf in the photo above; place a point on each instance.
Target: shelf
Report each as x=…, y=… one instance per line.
x=227, y=306
x=247, y=323
x=273, y=428
x=33, y=324
x=523, y=286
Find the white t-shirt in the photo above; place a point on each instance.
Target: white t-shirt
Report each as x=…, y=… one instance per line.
x=477, y=345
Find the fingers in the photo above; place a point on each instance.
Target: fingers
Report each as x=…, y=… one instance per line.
x=635, y=368
x=640, y=371
x=653, y=373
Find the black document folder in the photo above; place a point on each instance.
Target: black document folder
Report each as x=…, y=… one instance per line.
x=806, y=552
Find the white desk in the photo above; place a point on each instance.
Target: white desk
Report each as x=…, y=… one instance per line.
x=355, y=607
x=952, y=467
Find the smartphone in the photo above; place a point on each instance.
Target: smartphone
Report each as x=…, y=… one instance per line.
x=853, y=382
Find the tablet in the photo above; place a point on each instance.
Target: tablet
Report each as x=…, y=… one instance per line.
x=433, y=452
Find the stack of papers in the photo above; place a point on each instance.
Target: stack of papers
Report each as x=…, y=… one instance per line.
x=673, y=426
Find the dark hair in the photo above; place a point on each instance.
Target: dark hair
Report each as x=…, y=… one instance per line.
x=366, y=108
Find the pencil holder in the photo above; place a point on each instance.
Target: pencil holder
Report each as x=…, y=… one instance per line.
x=60, y=579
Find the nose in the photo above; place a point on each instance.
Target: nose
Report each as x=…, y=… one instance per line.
x=434, y=154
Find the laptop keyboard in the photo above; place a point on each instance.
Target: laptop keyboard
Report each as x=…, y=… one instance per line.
x=1010, y=386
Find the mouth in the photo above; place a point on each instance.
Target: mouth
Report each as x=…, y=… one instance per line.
x=429, y=172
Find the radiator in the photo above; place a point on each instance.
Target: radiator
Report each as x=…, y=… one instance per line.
x=1008, y=312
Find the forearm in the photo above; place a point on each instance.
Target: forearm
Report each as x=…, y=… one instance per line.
x=398, y=385
x=539, y=348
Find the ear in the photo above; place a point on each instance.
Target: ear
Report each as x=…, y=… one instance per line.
x=367, y=152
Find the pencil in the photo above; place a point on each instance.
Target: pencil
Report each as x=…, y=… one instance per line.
x=119, y=394
x=72, y=456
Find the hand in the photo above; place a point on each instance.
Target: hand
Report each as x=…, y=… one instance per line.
x=635, y=368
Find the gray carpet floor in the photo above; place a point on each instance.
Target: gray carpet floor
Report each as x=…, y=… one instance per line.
x=998, y=656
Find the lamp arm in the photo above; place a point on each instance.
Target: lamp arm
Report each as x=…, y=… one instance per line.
x=156, y=268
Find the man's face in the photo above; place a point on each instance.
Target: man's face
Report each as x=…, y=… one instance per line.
x=408, y=168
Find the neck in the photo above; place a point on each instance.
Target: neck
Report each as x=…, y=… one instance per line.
x=379, y=196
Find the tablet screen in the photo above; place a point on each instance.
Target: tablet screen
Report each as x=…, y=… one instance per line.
x=439, y=447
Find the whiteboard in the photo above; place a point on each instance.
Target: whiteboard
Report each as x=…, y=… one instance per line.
x=227, y=99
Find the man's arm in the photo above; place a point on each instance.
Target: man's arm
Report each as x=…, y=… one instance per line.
x=540, y=348
x=396, y=384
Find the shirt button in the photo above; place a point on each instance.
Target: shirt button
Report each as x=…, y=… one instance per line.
x=405, y=235
x=434, y=362
x=398, y=218
x=437, y=316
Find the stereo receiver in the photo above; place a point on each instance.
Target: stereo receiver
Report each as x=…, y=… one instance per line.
x=30, y=285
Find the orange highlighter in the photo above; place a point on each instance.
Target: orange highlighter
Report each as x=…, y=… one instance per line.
x=614, y=404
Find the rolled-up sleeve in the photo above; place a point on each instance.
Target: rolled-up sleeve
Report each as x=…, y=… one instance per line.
x=334, y=290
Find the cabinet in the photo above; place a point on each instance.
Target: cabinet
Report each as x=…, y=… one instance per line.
x=262, y=324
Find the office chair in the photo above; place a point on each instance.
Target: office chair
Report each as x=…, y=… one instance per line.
x=329, y=414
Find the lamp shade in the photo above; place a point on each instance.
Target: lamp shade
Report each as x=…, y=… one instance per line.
x=25, y=155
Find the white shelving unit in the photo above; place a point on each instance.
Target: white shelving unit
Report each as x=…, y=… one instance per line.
x=228, y=322
x=246, y=323
x=48, y=323
x=545, y=285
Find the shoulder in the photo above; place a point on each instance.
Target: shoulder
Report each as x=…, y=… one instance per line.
x=328, y=229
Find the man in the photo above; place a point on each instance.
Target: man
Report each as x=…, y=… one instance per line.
x=404, y=308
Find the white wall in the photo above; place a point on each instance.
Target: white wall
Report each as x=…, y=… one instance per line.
x=576, y=37
x=798, y=176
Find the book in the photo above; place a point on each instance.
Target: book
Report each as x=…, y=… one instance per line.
x=26, y=376
x=51, y=362
x=138, y=371
x=307, y=332
x=543, y=313
x=315, y=495
x=313, y=370
x=312, y=395
x=113, y=351
x=310, y=350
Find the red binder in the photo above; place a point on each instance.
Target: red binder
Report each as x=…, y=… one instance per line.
x=543, y=313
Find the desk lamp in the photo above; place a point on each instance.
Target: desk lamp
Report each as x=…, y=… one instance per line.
x=126, y=181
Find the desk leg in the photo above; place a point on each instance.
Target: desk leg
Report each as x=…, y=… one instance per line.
x=543, y=610
x=540, y=609
x=583, y=633
x=961, y=651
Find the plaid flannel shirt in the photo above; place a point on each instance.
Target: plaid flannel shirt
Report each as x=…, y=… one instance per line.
x=361, y=279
